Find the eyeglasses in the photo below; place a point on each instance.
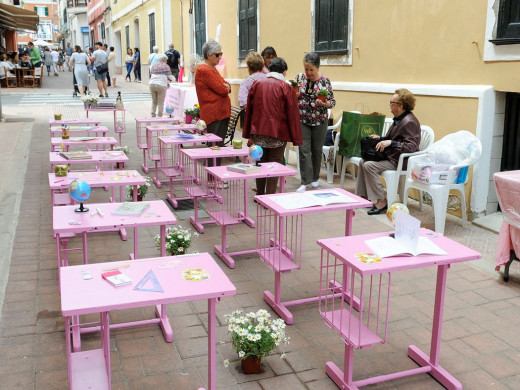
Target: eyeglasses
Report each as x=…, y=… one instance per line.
x=391, y=102
x=218, y=55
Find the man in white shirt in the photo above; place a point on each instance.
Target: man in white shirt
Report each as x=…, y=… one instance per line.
x=55, y=58
x=153, y=58
x=99, y=57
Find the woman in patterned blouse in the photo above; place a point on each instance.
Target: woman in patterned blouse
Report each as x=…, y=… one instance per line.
x=314, y=118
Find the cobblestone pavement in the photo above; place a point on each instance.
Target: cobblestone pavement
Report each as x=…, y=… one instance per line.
x=480, y=344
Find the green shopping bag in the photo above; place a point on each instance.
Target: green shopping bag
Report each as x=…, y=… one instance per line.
x=355, y=126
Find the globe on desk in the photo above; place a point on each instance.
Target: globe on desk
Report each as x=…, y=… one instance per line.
x=169, y=109
x=80, y=192
x=256, y=152
x=392, y=210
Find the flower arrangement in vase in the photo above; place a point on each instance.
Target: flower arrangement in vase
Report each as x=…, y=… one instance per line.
x=177, y=240
x=89, y=100
x=254, y=335
x=322, y=95
x=192, y=113
x=141, y=189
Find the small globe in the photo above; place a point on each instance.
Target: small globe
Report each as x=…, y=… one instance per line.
x=79, y=190
x=201, y=125
x=391, y=212
x=169, y=109
x=256, y=152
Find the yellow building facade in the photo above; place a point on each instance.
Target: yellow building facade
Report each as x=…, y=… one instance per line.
x=440, y=50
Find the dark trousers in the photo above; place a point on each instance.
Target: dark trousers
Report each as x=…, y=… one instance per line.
x=268, y=185
x=218, y=128
x=109, y=82
x=137, y=72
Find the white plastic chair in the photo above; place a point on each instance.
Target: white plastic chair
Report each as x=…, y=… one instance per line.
x=326, y=151
x=392, y=177
x=440, y=192
x=356, y=160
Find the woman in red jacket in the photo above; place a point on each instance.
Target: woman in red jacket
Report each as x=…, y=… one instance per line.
x=213, y=92
x=272, y=119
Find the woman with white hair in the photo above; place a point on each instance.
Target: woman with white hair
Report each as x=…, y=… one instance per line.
x=160, y=75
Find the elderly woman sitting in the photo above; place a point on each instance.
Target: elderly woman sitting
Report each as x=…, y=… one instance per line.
x=160, y=75
x=403, y=136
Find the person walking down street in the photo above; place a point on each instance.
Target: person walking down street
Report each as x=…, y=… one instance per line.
x=161, y=75
x=61, y=60
x=112, y=65
x=100, y=59
x=272, y=119
x=129, y=62
x=173, y=60
x=68, y=54
x=213, y=92
x=137, y=65
x=105, y=49
x=55, y=59
x=36, y=58
x=314, y=117
x=80, y=62
x=90, y=51
x=47, y=60
x=152, y=59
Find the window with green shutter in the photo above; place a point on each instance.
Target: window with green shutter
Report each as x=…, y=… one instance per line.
x=508, y=26
x=247, y=27
x=331, y=26
x=199, y=11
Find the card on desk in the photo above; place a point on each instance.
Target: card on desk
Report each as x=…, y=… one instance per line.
x=116, y=278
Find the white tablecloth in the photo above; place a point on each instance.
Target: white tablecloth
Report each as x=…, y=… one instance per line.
x=180, y=96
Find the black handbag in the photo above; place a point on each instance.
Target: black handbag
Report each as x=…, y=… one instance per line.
x=369, y=152
x=102, y=68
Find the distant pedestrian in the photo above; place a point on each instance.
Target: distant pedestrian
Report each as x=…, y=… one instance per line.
x=68, y=53
x=36, y=58
x=105, y=48
x=152, y=59
x=160, y=76
x=55, y=59
x=112, y=65
x=47, y=59
x=80, y=62
x=90, y=51
x=61, y=60
x=100, y=58
x=129, y=62
x=173, y=60
x=137, y=65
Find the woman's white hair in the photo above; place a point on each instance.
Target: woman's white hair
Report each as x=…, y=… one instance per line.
x=210, y=47
x=162, y=58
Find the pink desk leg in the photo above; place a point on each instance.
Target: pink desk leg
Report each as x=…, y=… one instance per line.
x=348, y=222
x=212, y=373
x=247, y=219
x=85, y=248
x=135, y=255
x=58, y=251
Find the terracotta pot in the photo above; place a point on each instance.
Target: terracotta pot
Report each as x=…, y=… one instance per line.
x=296, y=90
x=251, y=365
x=323, y=98
x=139, y=198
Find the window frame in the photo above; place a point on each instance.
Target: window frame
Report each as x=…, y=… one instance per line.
x=504, y=23
x=127, y=38
x=248, y=30
x=151, y=30
x=333, y=30
x=199, y=24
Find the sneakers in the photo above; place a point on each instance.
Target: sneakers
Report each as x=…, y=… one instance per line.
x=302, y=188
x=315, y=184
x=106, y=94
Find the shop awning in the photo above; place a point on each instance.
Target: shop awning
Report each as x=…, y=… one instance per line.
x=14, y=18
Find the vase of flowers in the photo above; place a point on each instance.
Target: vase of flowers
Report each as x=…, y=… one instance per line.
x=141, y=189
x=126, y=150
x=295, y=85
x=192, y=113
x=89, y=100
x=177, y=240
x=254, y=335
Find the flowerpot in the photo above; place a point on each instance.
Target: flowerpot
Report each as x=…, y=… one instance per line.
x=61, y=170
x=139, y=198
x=189, y=119
x=120, y=165
x=296, y=90
x=93, y=104
x=57, y=117
x=251, y=365
x=323, y=98
x=237, y=144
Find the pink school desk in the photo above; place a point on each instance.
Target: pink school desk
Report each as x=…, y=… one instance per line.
x=119, y=119
x=76, y=141
x=157, y=214
x=278, y=225
x=79, y=297
x=168, y=147
x=227, y=204
x=370, y=281
x=74, y=121
x=140, y=130
x=75, y=129
x=152, y=142
x=98, y=158
x=195, y=178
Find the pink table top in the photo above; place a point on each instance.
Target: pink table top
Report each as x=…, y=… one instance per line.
x=267, y=201
x=161, y=119
x=79, y=296
x=157, y=214
x=80, y=129
x=271, y=169
x=345, y=248
x=224, y=151
x=104, y=109
x=177, y=128
x=98, y=179
x=98, y=156
x=57, y=141
x=74, y=121
x=176, y=140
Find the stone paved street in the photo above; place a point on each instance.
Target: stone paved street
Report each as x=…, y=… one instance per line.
x=480, y=343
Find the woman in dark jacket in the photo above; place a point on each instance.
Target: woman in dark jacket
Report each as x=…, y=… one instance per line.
x=404, y=136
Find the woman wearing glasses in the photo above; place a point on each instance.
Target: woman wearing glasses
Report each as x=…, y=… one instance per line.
x=404, y=136
x=213, y=92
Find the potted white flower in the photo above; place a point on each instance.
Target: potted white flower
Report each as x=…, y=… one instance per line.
x=141, y=189
x=177, y=240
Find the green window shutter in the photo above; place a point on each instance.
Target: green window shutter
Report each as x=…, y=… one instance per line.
x=46, y=11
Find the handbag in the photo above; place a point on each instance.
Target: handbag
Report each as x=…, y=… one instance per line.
x=369, y=152
x=102, y=68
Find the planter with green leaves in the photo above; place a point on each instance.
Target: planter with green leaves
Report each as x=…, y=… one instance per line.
x=322, y=95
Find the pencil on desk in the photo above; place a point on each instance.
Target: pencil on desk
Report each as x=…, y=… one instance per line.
x=115, y=267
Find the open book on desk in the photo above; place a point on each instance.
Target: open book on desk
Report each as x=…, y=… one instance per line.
x=302, y=200
x=406, y=242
